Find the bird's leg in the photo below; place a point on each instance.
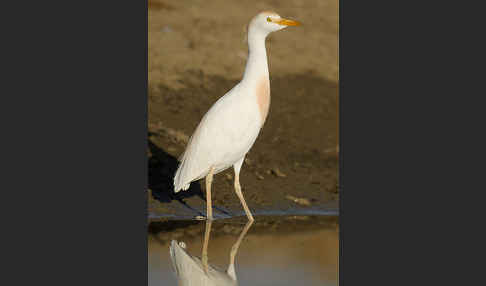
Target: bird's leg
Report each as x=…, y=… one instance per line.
x=242, y=199
x=209, y=181
x=235, y=247
x=237, y=168
x=205, y=246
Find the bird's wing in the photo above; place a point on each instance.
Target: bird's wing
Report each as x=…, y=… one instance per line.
x=224, y=135
x=190, y=271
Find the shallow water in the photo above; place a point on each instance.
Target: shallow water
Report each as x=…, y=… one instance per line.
x=282, y=250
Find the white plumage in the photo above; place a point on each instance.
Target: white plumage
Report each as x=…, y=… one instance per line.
x=190, y=270
x=224, y=135
x=194, y=271
x=230, y=127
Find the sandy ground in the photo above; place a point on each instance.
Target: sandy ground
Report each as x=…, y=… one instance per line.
x=197, y=52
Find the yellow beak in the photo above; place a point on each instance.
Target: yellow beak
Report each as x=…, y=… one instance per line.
x=287, y=22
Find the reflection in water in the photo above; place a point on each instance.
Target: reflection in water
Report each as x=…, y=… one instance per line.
x=192, y=271
x=277, y=250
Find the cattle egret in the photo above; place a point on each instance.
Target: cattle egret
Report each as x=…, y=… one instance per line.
x=192, y=271
x=230, y=127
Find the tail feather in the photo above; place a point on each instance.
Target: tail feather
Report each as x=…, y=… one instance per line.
x=188, y=171
x=179, y=184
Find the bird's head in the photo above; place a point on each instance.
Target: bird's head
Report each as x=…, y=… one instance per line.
x=268, y=22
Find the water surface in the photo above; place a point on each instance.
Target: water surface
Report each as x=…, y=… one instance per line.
x=280, y=250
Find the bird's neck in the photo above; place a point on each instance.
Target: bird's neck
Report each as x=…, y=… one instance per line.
x=256, y=65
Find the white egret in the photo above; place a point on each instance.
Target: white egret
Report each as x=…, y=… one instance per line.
x=230, y=127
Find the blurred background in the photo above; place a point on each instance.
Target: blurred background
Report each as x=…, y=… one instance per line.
x=197, y=52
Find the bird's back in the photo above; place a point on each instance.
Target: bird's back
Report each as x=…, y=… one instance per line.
x=224, y=135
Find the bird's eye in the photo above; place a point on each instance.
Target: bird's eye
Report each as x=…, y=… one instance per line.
x=269, y=19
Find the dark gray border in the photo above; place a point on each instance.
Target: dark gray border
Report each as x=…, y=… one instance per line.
x=405, y=118
x=74, y=141
x=74, y=107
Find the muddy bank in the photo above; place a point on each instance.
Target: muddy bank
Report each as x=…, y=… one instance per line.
x=210, y=36
x=292, y=165
x=196, y=54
